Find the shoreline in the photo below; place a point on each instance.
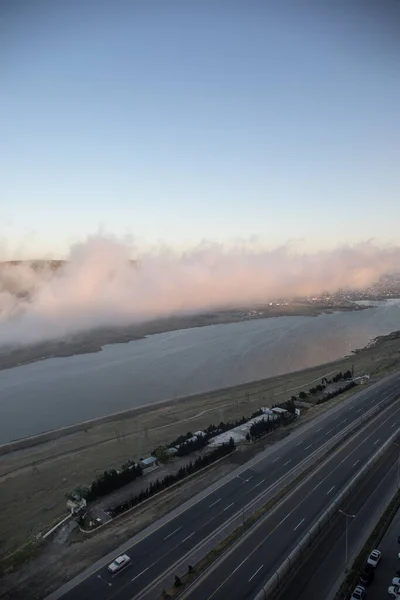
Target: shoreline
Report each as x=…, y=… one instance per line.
x=37, y=477
x=54, y=434
x=168, y=403
x=91, y=342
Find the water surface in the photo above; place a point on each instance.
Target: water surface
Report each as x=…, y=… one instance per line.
x=62, y=391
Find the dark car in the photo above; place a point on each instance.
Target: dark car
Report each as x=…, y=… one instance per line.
x=367, y=574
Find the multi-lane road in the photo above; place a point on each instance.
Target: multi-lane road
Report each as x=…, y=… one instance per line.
x=323, y=571
x=243, y=572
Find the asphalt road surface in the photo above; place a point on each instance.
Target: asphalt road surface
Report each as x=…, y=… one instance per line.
x=389, y=562
x=243, y=573
x=320, y=576
x=156, y=552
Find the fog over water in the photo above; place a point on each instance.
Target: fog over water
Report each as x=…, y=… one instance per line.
x=62, y=391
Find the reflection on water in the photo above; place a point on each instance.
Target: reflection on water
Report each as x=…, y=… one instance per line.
x=58, y=392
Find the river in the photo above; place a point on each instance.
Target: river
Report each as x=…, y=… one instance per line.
x=62, y=391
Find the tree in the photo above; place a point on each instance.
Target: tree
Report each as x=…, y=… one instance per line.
x=303, y=395
x=161, y=452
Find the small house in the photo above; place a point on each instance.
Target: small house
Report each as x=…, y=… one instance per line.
x=151, y=461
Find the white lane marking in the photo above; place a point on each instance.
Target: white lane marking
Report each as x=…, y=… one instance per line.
x=294, y=509
x=237, y=568
x=298, y=524
x=394, y=425
x=336, y=418
x=318, y=429
x=329, y=491
x=275, y=459
x=172, y=532
x=356, y=463
x=345, y=421
x=298, y=443
x=216, y=502
x=318, y=484
x=229, y=505
x=189, y=536
x=259, y=483
x=360, y=409
x=286, y=463
x=375, y=442
x=328, y=432
x=141, y=573
x=308, y=447
x=254, y=574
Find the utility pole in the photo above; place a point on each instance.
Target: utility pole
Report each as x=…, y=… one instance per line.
x=347, y=517
x=398, y=466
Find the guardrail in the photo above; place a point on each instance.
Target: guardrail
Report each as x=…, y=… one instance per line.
x=296, y=557
x=238, y=520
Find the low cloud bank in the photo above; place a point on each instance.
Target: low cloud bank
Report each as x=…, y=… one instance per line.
x=100, y=285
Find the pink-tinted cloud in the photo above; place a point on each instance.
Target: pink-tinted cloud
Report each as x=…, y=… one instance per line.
x=99, y=285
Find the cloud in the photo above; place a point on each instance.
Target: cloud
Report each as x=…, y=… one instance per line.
x=100, y=285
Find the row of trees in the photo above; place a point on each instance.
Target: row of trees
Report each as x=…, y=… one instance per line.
x=170, y=479
x=261, y=428
x=185, y=445
x=108, y=482
x=334, y=393
x=320, y=387
x=192, y=445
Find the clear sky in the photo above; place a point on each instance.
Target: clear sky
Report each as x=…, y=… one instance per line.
x=185, y=121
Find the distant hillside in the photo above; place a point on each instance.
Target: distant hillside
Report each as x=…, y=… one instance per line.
x=36, y=265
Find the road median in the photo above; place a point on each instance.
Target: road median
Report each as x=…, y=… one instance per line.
x=220, y=543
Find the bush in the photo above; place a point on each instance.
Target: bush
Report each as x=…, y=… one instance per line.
x=340, y=390
x=112, y=480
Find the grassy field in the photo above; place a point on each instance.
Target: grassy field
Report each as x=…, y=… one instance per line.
x=33, y=482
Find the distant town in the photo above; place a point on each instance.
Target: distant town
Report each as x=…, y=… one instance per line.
x=388, y=287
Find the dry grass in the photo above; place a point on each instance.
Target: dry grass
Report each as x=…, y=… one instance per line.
x=33, y=482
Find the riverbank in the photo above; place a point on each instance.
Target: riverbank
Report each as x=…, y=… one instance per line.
x=93, y=341
x=34, y=480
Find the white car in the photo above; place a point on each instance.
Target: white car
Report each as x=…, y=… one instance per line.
x=394, y=592
x=374, y=558
x=119, y=563
x=396, y=581
x=358, y=593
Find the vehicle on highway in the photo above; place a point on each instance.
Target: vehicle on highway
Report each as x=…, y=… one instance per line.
x=367, y=574
x=119, y=563
x=396, y=581
x=374, y=558
x=394, y=592
x=358, y=593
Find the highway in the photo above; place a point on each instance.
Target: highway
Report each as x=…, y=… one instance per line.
x=155, y=553
x=320, y=576
x=243, y=573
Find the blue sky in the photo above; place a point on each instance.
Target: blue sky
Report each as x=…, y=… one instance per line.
x=185, y=121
